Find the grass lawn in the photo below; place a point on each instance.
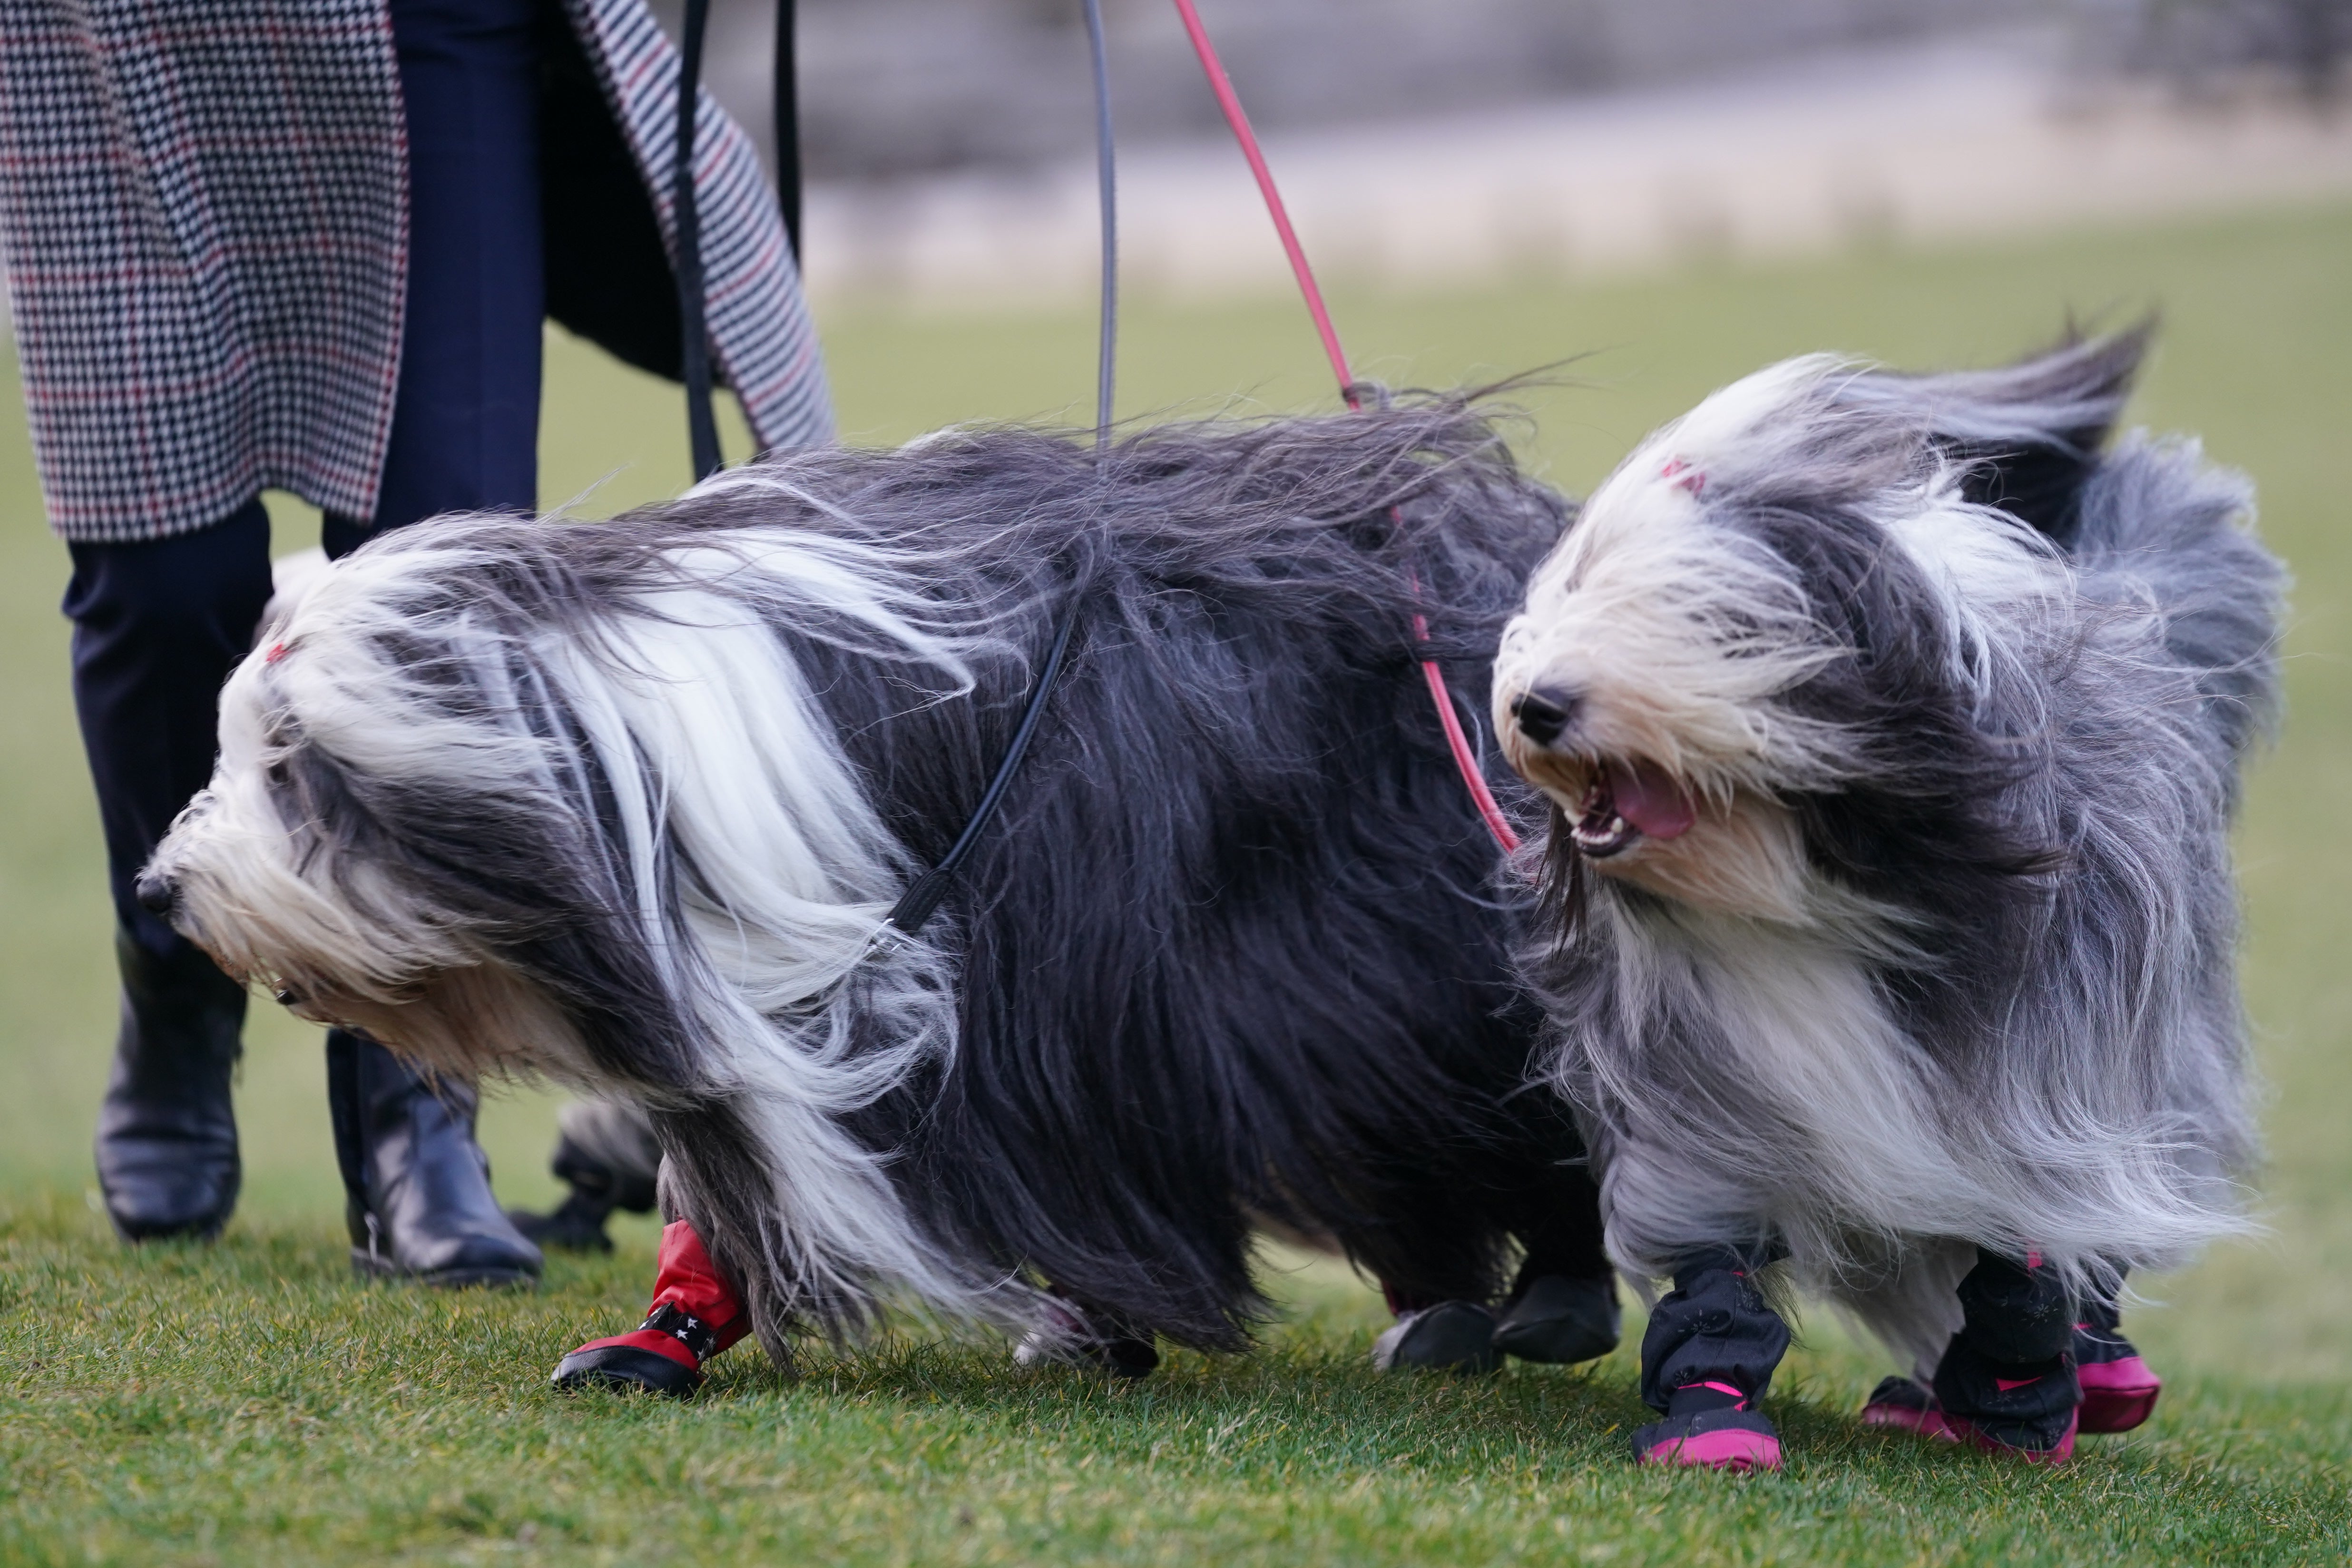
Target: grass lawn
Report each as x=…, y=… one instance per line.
x=248, y=1403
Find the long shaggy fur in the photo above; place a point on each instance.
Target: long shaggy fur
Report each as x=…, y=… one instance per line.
x=1946, y=958
x=624, y=804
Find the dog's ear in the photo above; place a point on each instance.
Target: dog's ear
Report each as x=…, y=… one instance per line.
x=2028, y=434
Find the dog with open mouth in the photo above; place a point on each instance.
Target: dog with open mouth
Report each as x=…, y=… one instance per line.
x=1891, y=727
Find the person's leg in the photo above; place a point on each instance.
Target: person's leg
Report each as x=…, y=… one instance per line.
x=465, y=423
x=464, y=435
x=158, y=625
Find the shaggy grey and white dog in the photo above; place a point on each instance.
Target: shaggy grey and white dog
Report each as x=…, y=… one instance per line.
x=626, y=803
x=1892, y=732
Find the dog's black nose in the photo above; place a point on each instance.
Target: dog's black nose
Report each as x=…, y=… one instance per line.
x=1542, y=716
x=158, y=896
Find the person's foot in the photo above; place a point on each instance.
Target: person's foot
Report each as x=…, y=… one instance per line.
x=1561, y=1321
x=419, y=1203
x=1452, y=1336
x=1078, y=1337
x=575, y=1225
x=1710, y=1426
x=2119, y=1389
x=608, y=1157
x=694, y=1316
x=166, y=1148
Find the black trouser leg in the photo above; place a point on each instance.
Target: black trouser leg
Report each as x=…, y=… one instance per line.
x=158, y=626
x=464, y=436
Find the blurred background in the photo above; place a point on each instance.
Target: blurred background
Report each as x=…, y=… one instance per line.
x=1653, y=197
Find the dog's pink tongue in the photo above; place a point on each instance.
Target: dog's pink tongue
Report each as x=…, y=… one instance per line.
x=1650, y=800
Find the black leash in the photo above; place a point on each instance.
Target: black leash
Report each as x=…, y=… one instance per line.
x=693, y=329
x=921, y=901
x=788, y=131
x=918, y=903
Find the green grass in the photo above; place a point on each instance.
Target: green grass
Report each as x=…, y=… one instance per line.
x=247, y=1402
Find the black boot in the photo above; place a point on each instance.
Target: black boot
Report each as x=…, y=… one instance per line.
x=166, y=1130
x=1707, y=1359
x=608, y=1156
x=2007, y=1382
x=419, y=1187
x=1558, y=1318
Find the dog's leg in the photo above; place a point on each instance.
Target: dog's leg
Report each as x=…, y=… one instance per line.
x=2007, y=1382
x=2119, y=1389
x=1088, y=1337
x=1707, y=1358
x=695, y=1315
x=1562, y=1308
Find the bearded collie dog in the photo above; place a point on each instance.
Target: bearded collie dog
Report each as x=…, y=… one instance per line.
x=1891, y=728
x=624, y=805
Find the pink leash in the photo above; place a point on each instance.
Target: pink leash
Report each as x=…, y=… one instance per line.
x=1464, y=760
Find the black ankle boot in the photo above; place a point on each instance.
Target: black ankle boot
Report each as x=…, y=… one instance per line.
x=2007, y=1382
x=167, y=1159
x=419, y=1187
x=608, y=1157
x=1707, y=1359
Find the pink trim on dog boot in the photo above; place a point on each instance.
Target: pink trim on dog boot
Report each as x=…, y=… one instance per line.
x=1976, y=1437
x=2118, y=1395
x=1899, y=1405
x=1736, y=1441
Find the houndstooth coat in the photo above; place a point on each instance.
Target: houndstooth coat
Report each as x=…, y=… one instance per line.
x=203, y=205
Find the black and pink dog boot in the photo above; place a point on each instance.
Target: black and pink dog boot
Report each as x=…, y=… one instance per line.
x=2006, y=1384
x=1707, y=1358
x=694, y=1316
x=1709, y=1425
x=2119, y=1389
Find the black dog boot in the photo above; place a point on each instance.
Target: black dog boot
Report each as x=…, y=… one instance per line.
x=418, y=1186
x=1451, y=1336
x=2007, y=1382
x=1552, y=1317
x=1707, y=1358
x=167, y=1160
x=607, y=1154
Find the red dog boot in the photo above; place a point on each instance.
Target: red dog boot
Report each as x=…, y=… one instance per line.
x=695, y=1316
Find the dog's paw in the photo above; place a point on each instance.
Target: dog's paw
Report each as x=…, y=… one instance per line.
x=1452, y=1336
